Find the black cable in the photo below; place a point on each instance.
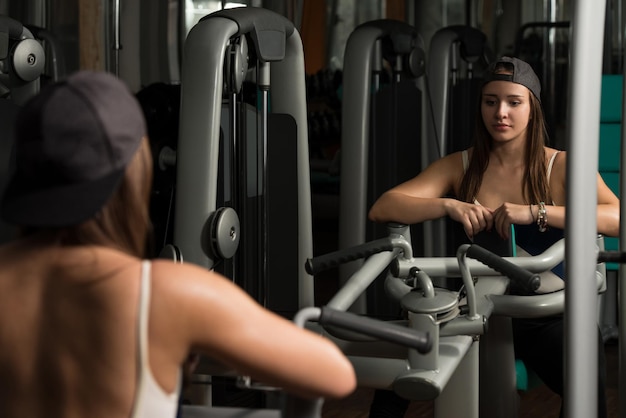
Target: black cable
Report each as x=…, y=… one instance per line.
x=169, y=216
x=432, y=112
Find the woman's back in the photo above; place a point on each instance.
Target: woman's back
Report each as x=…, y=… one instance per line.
x=69, y=334
x=67, y=328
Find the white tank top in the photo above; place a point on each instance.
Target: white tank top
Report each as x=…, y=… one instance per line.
x=151, y=401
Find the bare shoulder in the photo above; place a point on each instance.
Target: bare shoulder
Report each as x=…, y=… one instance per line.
x=167, y=267
x=455, y=158
x=183, y=274
x=557, y=174
x=560, y=159
x=455, y=164
x=193, y=294
x=559, y=155
x=450, y=165
x=190, y=300
x=436, y=180
x=191, y=282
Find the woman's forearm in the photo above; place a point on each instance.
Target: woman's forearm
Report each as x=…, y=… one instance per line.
x=397, y=207
x=607, y=218
x=555, y=215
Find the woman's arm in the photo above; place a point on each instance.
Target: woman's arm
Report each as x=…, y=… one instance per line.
x=218, y=318
x=608, y=203
x=423, y=198
x=511, y=213
x=607, y=211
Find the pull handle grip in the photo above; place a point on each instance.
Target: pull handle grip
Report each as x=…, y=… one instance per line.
x=382, y=330
x=324, y=262
x=522, y=281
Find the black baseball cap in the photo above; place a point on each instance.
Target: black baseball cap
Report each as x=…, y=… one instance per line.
x=74, y=141
x=523, y=74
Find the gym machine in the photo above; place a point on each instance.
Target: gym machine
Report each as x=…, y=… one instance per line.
x=22, y=61
x=242, y=175
x=456, y=59
x=465, y=324
x=294, y=407
x=241, y=203
x=380, y=131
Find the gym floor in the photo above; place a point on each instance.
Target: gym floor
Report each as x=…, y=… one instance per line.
x=537, y=402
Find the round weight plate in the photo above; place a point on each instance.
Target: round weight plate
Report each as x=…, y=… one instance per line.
x=225, y=232
x=28, y=60
x=443, y=301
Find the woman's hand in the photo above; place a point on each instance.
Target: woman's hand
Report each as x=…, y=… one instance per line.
x=473, y=217
x=510, y=213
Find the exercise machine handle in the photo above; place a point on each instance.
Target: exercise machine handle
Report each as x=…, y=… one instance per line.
x=334, y=259
x=524, y=281
x=382, y=330
x=612, y=257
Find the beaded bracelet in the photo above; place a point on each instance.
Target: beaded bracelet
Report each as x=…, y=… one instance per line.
x=542, y=217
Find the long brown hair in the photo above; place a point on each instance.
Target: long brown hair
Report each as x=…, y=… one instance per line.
x=536, y=188
x=123, y=222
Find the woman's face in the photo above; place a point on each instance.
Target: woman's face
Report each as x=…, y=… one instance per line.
x=505, y=108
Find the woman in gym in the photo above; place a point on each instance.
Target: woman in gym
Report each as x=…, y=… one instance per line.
x=509, y=177
x=88, y=326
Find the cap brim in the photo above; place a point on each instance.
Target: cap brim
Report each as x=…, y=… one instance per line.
x=60, y=206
